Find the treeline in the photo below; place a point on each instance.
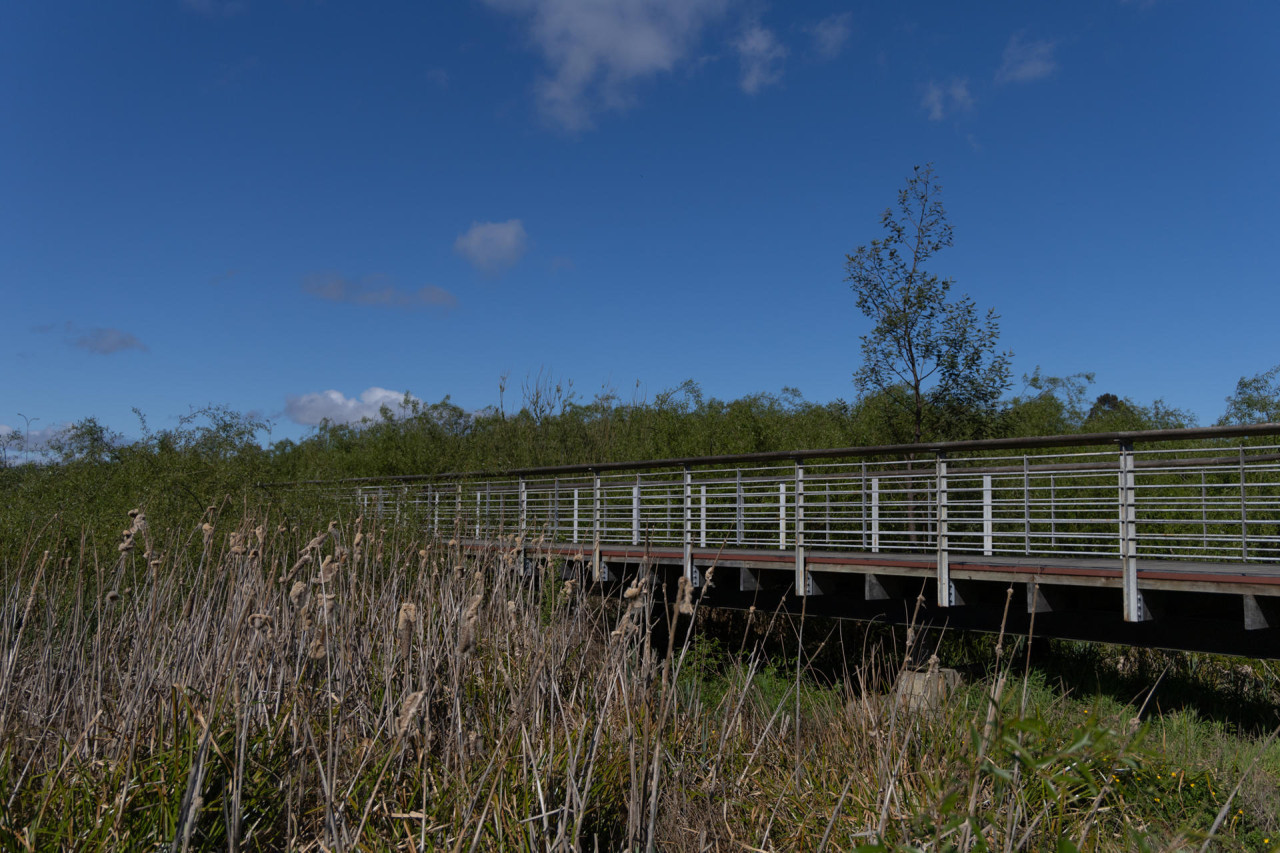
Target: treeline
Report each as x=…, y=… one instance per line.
x=214, y=459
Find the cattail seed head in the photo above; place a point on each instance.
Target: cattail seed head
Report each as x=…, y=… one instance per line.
x=408, y=712
x=113, y=597
x=298, y=594
x=405, y=620
x=470, y=619
x=684, y=600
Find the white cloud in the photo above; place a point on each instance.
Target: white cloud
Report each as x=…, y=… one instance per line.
x=941, y=101
x=371, y=290
x=830, y=34
x=1025, y=61
x=492, y=247
x=761, y=55
x=599, y=51
x=311, y=409
x=108, y=341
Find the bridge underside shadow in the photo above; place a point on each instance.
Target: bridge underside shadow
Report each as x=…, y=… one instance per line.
x=1240, y=618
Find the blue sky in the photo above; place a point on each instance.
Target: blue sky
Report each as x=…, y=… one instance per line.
x=303, y=209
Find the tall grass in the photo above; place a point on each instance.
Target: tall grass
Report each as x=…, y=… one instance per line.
x=257, y=683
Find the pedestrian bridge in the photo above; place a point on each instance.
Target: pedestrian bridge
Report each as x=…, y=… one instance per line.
x=1166, y=538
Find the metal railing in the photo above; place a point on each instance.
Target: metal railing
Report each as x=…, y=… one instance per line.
x=1207, y=495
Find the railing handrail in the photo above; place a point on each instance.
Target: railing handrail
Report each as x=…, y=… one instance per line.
x=1130, y=437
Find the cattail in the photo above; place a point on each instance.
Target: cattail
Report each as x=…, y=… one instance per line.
x=325, y=605
x=207, y=530
x=328, y=570
x=260, y=532
x=261, y=623
x=470, y=618
x=127, y=545
x=634, y=590
x=316, y=649
x=113, y=597
x=409, y=712
x=304, y=560
x=405, y=620
x=317, y=542
x=684, y=600
x=236, y=540
x=355, y=543
x=511, y=609
x=133, y=513
x=298, y=594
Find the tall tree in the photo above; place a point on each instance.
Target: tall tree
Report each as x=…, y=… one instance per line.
x=1256, y=399
x=935, y=360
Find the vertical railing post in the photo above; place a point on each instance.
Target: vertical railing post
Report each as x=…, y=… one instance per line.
x=458, y=519
x=1204, y=516
x=863, y=503
x=1026, y=505
x=687, y=533
x=741, y=512
x=804, y=583
x=1128, y=536
x=522, y=512
x=635, y=512
x=702, y=516
x=1244, y=512
x=945, y=598
x=782, y=515
x=523, y=519
x=555, y=509
x=875, y=514
x=576, y=516
x=596, y=519
x=988, y=525
x=1053, y=514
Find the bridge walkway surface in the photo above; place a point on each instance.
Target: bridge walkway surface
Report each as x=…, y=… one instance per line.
x=1167, y=538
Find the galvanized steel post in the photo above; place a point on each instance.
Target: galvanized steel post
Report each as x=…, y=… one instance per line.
x=945, y=597
x=1133, y=611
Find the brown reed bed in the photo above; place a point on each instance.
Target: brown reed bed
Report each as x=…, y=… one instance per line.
x=256, y=684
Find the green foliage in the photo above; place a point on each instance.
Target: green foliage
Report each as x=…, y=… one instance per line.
x=934, y=359
x=1256, y=399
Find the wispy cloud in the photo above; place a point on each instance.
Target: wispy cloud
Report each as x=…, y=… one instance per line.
x=334, y=406
x=598, y=52
x=1025, y=61
x=492, y=247
x=830, y=34
x=761, y=55
x=941, y=101
x=375, y=290
x=108, y=341
x=100, y=340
